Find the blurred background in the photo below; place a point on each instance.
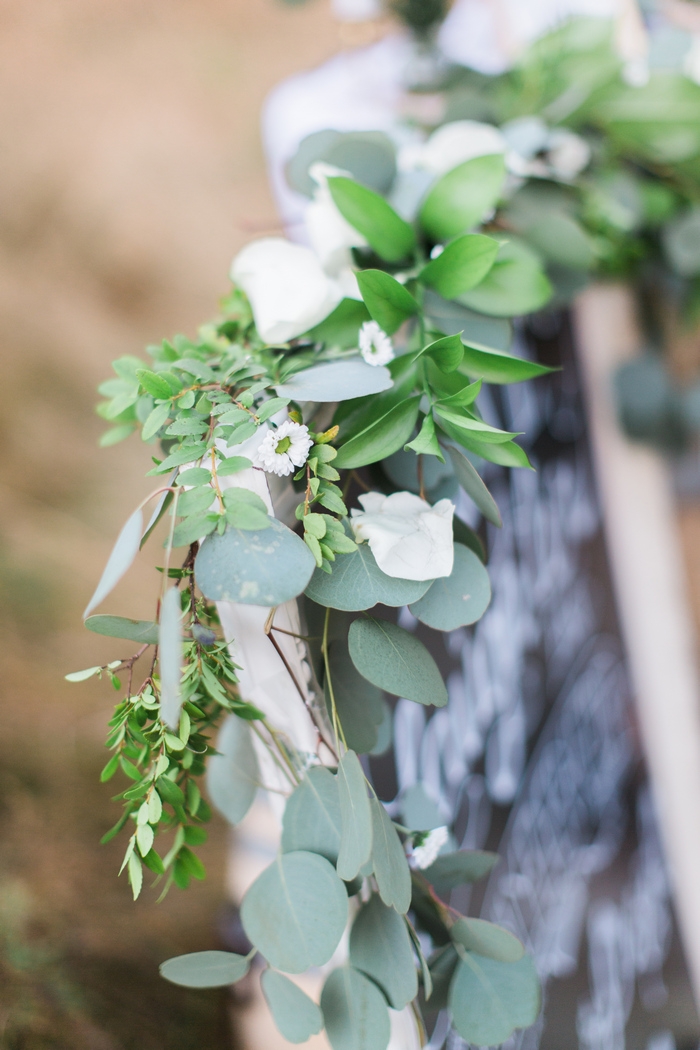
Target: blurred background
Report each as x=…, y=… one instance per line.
x=131, y=173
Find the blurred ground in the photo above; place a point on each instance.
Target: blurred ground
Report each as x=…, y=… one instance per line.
x=130, y=172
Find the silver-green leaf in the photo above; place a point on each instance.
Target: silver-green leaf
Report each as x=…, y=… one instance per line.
x=123, y=553
x=311, y=818
x=489, y=1000
x=354, y=1011
x=296, y=1015
x=486, y=938
x=380, y=946
x=205, y=969
x=396, y=661
x=356, y=817
x=357, y=583
x=389, y=861
x=458, y=599
x=233, y=775
x=170, y=656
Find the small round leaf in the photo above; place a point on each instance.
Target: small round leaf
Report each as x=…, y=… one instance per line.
x=458, y=599
x=357, y=583
x=205, y=969
x=355, y=1012
x=380, y=946
x=297, y=1017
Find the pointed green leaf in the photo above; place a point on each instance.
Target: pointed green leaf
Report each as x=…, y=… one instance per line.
x=311, y=818
x=386, y=232
x=295, y=912
x=153, y=384
x=354, y=1011
x=380, y=946
x=447, y=353
x=489, y=1000
x=462, y=197
x=455, y=869
x=477, y=428
x=357, y=583
x=156, y=419
x=471, y=482
x=461, y=266
x=396, y=661
x=426, y=442
x=380, y=438
x=125, y=550
x=389, y=303
x=144, y=631
x=459, y=599
x=358, y=703
x=505, y=453
x=496, y=366
x=485, y=938
x=389, y=861
x=516, y=284
x=296, y=1015
x=233, y=775
x=205, y=969
x=356, y=818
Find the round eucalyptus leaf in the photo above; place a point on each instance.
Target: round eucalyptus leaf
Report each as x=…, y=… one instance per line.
x=357, y=583
x=489, y=1000
x=385, y=731
x=396, y=661
x=143, y=631
x=266, y=567
x=380, y=946
x=418, y=810
x=297, y=1017
x=358, y=703
x=233, y=775
x=389, y=861
x=205, y=969
x=295, y=912
x=311, y=818
x=455, y=869
x=458, y=599
x=356, y=817
x=486, y=938
x=354, y=1011
x=336, y=381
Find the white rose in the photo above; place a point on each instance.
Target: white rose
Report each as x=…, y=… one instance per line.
x=331, y=236
x=409, y=539
x=453, y=144
x=287, y=287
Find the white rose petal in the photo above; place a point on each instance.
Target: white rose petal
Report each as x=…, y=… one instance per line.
x=375, y=345
x=409, y=539
x=296, y=443
x=457, y=142
x=423, y=856
x=287, y=287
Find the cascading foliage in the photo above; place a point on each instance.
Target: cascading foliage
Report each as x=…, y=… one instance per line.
x=368, y=405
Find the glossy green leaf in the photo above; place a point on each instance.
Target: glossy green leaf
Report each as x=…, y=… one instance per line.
x=389, y=861
x=354, y=1011
x=143, y=631
x=380, y=946
x=205, y=969
x=386, y=232
x=381, y=438
x=232, y=465
x=269, y=567
x=153, y=384
x=459, y=599
x=295, y=912
x=170, y=656
x=461, y=266
x=311, y=818
x=489, y=1000
x=389, y=303
x=452, y=318
x=506, y=453
x=486, y=938
x=481, y=430
x=340, y=328
x=462, y=197
x=336, y=381
x=156, y=419
x=495, y=366
x=359, y=704
x=426, y=443
x=455, y=869
x=469, y=479
x=447, y=353
x=356, y=817
x=123, y=553
x=516, y=284
x=396, y=661
x=233, y=775
x=296, y=1015
x=357, y=583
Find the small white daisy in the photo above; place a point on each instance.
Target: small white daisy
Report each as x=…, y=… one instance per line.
x=427, y=846
x=284, y=450
x=375, y=345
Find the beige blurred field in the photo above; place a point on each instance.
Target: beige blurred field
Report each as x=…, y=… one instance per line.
x=130, y=172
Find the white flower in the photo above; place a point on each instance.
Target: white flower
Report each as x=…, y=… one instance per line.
x=284, y=450
x=330, y=234
x=567, y=154
x=287, y=287
x=409, y=539
x=453, y=144
x=428, y=848
x=538, y=151
x=375, y=344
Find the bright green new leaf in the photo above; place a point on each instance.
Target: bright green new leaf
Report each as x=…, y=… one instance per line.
x=336, y=381
x=268, y=567
x=153, y=384
x=170, y=656
x=358, y=703
x=341, y=327
x=196, y=500
x=356, y=817
x=381, y=438
x=387, y=233
x=482, y=431
x=205, y=969
x=380, y=946
x=357, y=583
x=461, y=266
x=296, y=1015
x=195, y=476
x=295, y=912
x=485, y=938
x=389, y=861
x=462, y=197
x=269, y=408
x=474, y=487
x=459, y=599
x=156, y=419
x=396, y=661
x=489, y=1000
x=516, y=284
x=143, y=631
x=506, y=453
x=354, y=1011
x=389, y=303
x=233, y=775
x=426, y=443
x=232, y=465
x=123, y=553
x=447, y=353
x=455, y=869
x=311, y=818
x=495, y=366
x=194, y=528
